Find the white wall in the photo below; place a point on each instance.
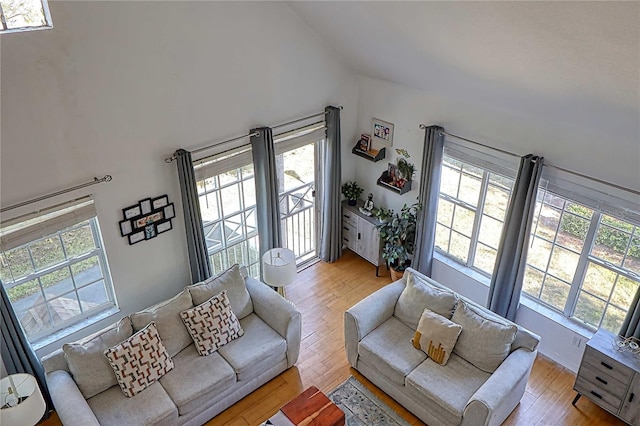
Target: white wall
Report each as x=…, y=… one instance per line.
x=505, y=129
x=116, y=87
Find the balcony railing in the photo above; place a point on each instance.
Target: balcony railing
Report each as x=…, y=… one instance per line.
x=297, y=213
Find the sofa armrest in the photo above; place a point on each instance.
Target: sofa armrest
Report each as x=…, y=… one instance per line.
x=501, y=393
x=70, y=405
x=279, y=314
x=366, y=315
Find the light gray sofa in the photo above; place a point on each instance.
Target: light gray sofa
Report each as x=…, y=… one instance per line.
x=377, y=342
x=199, y=387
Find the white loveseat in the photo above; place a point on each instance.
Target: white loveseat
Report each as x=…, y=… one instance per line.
x=378, y=333
x=85, y=391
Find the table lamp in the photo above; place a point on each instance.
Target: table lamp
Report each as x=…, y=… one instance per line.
x=279, y=268
x=21, y=402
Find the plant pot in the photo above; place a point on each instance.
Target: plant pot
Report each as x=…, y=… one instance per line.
x=395, y=274
x=352, y=202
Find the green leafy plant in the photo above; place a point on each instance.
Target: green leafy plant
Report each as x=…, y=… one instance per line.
x=351, y=190
x=406, y=169
x=399, y=236
x=382, y=214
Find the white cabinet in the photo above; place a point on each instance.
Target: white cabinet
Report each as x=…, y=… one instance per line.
x=360, y=234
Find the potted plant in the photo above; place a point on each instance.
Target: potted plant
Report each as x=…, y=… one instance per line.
x=382, y=214
x=398, y=237
x=351, y=191
x=405, y=168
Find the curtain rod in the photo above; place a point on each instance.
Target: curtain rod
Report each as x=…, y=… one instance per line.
x=173, y=157
x=106, y=178
x=623, y=188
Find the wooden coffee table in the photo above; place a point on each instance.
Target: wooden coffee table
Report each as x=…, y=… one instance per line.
x=310, y=408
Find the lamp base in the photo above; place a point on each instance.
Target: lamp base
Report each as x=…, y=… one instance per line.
x=281, y=292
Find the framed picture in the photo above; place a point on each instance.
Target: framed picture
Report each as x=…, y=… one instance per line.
x=160, y=202
x=392, y=174
x=125, y=228
x=137, y=237
x=145, y=220
x=365, y=143
x=163, y=226
x=150, y=231
x=382, y=132
x=132, y=211
x=145, y=206
x=169, y=212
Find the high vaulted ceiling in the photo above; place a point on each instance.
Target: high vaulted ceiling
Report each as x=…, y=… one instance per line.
x=583, y=55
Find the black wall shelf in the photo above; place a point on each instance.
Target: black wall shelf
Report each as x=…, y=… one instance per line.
x=371, y=155
x=385, y=182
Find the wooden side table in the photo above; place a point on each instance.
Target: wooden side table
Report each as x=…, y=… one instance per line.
x=311, y=407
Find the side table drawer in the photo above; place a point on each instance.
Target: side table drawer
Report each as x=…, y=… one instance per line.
x=601, y=397
x=607, y=365
x=602, y=380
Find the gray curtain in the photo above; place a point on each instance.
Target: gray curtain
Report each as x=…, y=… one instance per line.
x=196, y=243
x=17, y=354
x=428, y=196
x=331, y=235
x=631, y=325
x=508, y=273
x=267, y=205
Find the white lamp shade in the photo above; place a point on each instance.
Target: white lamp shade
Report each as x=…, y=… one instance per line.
x=28, y=412
x=279, y=267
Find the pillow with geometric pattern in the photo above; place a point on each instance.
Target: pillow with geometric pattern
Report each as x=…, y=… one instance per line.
x=212, y=324
x=140, y=360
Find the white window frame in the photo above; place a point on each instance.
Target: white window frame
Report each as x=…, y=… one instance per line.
x=48, y=23
x=77, y=213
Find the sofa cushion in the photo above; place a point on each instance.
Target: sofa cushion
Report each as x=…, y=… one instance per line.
x=212, y=324
x=387, y=349
x=230, y=280
x=259, y=349
x=436, y=336
x=449, y=387
x=153, y=406
x=139, y=361
x=166, y=315
x=417, y=295
x=194, y=376
x=87, y=364
x=485, y=340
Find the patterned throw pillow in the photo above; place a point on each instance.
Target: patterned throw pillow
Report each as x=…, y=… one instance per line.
x=436, y=336
x=139, y=361
x=212, y=324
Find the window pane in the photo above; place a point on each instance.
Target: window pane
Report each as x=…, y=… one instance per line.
x=86, y=271
x=490, y=231
x=57, y=283
x=459, y=246
x=20, y=294
x=463, y=220
x=548, y=222
x=573, y=231
x=449, y=182
x=485, y=258
x=249, y=192
x=469, y=189
x=563, y=263
x=599, y=280
x=78, y=241
x=496, y=202
x=539, y=253
x=230, y=197
x=19, y=262
x=234, y=230
x=228, y=177
x=613, y=318
x=611, y=244
x=210, y=207
x=47, y=252
x=23, y=13
x=532, y=282
x=442, y=238
x=589, y=309
x=5, y=271
x=632, y=262
x=35, y=321
x=92, y=295
x=555, y=292
x=445, y=212
x=624, y=292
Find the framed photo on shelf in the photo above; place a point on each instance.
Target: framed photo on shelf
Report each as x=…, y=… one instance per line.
x=365, y=143
x=382, y=132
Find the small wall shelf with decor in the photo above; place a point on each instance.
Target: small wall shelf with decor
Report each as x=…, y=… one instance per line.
x=370, y=154
x=387, y=182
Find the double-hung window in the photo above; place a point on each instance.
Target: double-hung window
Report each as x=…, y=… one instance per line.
x=583, y=259
x=54, y=268
x=474, y=195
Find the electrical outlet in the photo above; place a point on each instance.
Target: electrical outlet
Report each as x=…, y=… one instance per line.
x=577, y=341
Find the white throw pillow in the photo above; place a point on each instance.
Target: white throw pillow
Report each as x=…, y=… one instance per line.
x=230, y=280
x=418, y=295
x=436, y=336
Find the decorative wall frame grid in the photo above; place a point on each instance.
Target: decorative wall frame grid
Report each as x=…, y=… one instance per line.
x=147, y=219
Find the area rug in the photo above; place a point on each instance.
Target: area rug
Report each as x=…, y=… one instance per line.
x=363, y=408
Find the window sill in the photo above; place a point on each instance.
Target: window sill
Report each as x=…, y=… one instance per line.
x=74, y=328
x=529, y=303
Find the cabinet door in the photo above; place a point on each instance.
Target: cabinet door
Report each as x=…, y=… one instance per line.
x=630, y=411
x=369, y=241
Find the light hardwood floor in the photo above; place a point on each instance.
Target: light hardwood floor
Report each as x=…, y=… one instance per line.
x=322, y=293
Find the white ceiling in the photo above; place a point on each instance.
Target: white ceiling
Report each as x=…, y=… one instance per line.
x=575, y=54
